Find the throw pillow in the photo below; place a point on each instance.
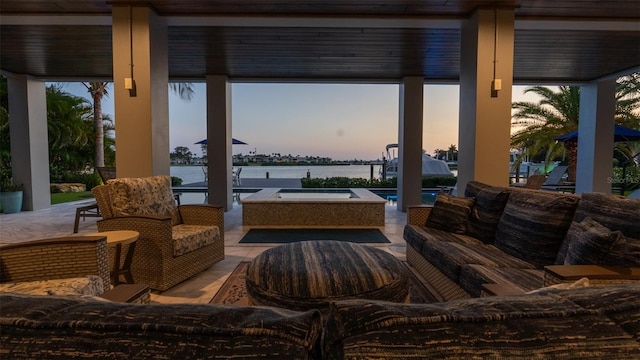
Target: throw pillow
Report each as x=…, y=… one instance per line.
x=590, y=243
x=486, y=212
x=450, y=213
x=612, y=211
x=534, y=223
x=143, y=196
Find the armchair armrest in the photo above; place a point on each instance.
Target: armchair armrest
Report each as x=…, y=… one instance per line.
x=597, y=274
x=418, y=214
x=202, y=214
x=55, y=258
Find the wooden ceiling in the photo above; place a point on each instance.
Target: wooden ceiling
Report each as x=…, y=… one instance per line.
x=359, y=40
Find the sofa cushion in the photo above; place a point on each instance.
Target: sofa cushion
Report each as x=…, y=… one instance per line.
x=613, y=212
x=143, y=196
x=417, y=235
x=586, y=323
x=472, y=277
x=450, y=213
x=593, y=244
x=486, y=211
x=534, y=224
x=61, y=328
x=88, y=285
x=449, y=257
x=188, y=238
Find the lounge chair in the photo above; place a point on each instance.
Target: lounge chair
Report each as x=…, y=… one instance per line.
x=91, y=210
x=175, y=243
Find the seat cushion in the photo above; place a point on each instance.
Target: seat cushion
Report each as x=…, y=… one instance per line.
x=89, y=285
x=417, y=235
x=188, y=238
x=486, y=211
x=473, y=276
x=534, y=224
x=611, y=211
x=143, y=196
x=449, y=257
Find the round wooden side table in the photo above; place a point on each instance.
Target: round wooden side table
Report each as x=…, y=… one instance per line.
x=116, y=239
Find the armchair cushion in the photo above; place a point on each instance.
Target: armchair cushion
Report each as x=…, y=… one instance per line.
x=188, y=238
x=143, y=196
x=87, y=285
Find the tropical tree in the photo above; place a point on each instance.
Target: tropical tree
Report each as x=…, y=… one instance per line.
x=69, y=123
x=99, y=90
x=538, y=124
x=5, y=149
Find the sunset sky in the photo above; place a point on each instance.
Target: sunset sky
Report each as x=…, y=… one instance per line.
x=340, y=121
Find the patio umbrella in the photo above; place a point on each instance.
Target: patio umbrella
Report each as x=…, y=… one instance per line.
x=620, y=133
x=233, y=142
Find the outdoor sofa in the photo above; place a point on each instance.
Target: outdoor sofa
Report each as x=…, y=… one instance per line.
x=519, y=240
x=585, y=323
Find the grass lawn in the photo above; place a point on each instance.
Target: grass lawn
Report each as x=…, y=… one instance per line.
x=58, y=198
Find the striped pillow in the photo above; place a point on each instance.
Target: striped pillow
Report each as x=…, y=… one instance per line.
x=611, y=211
x=590, y=243
x=486, y=212
x=450, y=213
x=534, y=224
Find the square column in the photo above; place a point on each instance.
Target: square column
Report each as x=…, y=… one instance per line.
x=595, y=136
x=141, y=115
x=485, y=114
x=410, y=142
x=29, y=140
x=219, y=155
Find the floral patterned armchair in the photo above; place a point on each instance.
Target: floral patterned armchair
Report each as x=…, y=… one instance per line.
x=175, y=242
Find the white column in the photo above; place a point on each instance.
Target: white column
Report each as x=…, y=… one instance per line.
x=219, y=155
x=29, y=140
x=485, y=115
x=410, y=142
x=595, y=137
x=142, y=115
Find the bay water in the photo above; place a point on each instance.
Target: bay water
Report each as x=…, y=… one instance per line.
x=192, y=174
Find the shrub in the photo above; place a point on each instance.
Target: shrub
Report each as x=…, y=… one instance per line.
x=176, y=181
x=345, y=182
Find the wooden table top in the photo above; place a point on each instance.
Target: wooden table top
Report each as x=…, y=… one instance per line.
x=118, y=237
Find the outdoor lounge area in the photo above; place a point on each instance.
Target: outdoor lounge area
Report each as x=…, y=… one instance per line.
x=525, y=322
x=488, y=272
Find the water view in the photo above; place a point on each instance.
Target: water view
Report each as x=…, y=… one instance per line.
x=194, y=174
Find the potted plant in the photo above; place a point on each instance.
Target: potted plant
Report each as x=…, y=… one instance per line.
x=10, y=196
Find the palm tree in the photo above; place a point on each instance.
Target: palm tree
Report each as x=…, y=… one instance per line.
x=98, y=90
x=538, y=124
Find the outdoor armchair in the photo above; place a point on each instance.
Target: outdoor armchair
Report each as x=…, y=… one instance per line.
x=76, y=265
x=175, y=242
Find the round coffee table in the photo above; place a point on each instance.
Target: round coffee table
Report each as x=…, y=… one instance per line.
x=311, y=274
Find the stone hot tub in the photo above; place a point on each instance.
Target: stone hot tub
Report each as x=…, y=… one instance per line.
x=273, y=207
